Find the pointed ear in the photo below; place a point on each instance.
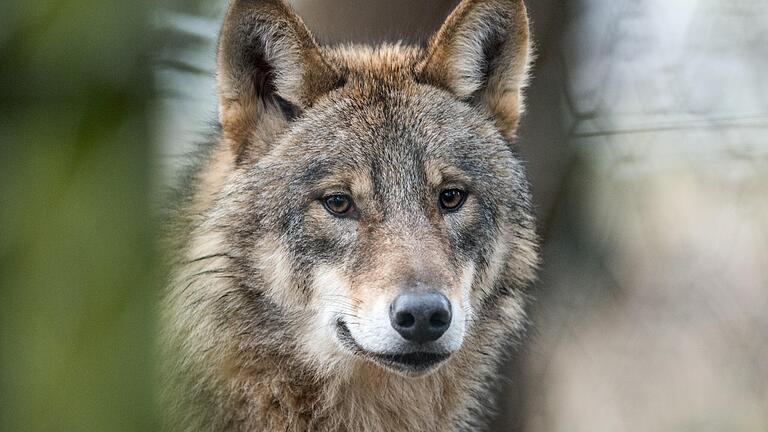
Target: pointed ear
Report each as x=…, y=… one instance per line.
x=269, y=70
x=481, y=55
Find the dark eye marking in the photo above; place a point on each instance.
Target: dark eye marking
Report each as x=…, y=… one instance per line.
x=451, y=200
x=339, y=205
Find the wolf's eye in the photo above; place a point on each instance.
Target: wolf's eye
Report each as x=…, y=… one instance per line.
x=338, y=204
x=452, y=199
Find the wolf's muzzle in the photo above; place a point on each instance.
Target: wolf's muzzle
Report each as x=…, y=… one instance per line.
x=420, y=317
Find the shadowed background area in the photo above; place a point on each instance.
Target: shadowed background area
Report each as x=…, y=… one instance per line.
x=646, y=140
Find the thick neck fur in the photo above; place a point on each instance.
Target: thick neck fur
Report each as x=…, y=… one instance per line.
x=365, y=399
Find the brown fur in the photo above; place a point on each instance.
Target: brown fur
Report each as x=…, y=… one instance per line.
x=240, y=311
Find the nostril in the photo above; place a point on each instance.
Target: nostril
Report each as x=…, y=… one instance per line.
x=440, y=319
x=405, y=319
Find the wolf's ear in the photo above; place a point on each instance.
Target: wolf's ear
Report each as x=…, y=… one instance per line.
x=269, y=70
x=481, y=55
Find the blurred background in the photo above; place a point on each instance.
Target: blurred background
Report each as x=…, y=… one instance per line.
x=646, y=140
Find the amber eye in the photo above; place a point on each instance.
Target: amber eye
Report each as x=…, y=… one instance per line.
x=452, y=199
x=338, y=204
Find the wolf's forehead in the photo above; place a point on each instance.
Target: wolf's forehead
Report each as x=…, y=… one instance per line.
x=400, y=134
x=392, y=131
x=393, y=115
x=401, y=138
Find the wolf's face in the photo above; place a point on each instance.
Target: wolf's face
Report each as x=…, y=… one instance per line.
x=375, y=196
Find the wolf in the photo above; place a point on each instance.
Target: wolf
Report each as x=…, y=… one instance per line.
x=354, y=248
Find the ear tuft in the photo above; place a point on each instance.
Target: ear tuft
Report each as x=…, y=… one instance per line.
x=269, y=70
x=481, y=54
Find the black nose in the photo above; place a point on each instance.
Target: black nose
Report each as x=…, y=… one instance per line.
x=420, y=317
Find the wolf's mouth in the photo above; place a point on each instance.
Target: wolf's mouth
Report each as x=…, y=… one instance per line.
x=410, y=363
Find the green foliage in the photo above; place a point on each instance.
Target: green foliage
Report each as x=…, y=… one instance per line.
x=78, y=272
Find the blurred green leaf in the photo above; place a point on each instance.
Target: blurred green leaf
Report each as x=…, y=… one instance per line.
x=78, y=271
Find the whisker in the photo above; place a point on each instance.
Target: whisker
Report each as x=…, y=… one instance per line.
x=215, y=255
x=209, y=271
x=184, y=290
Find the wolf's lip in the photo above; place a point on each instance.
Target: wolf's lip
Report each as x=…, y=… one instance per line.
x=416, y=362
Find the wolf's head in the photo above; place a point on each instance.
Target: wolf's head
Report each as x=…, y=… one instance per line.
x=373, y=195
